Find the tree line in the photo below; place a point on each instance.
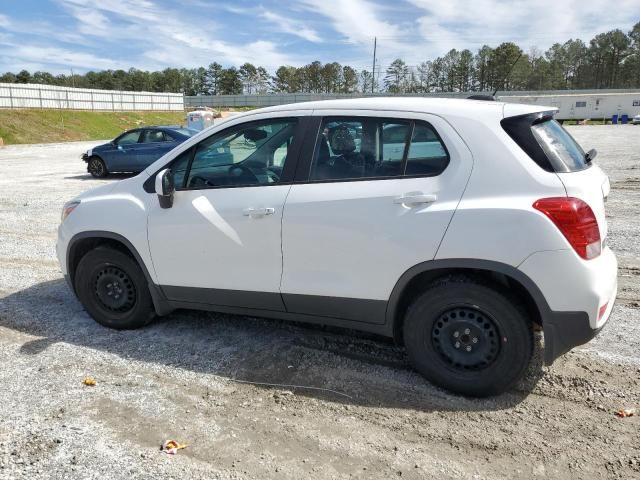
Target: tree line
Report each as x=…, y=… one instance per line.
x=609, y=60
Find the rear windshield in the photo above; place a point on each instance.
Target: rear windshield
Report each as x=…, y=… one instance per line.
x=546, y=142
x=558, y=145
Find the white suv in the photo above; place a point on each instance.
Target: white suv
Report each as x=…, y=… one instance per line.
x=455, y=226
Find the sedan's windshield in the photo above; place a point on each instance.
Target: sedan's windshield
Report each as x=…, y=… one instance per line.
x=185, y=131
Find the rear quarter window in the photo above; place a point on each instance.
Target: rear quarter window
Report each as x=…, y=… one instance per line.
x=558, y=145
x=546, y=142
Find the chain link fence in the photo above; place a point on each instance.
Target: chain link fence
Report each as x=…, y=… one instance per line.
x=15, y=95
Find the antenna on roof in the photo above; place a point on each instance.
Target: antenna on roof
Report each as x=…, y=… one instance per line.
x=492, y=97
x=507, y=75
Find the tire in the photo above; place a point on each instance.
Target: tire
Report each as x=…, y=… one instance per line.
x=113, y=289
x=468, y=337
x=96, y=167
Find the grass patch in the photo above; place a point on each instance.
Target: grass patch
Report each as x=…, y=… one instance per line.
x=50, y=126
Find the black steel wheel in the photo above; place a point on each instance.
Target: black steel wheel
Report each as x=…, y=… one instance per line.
x=113, y=289
x=97, y=168
x=469, y=337
x=466, y=338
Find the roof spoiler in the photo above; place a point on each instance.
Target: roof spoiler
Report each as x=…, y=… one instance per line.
x=487, y=98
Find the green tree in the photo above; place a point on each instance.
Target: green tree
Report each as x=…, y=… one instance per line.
x=366, y=81
x=23, y=77
x=8, y=77
x=501, y=61
x=248, y=75
x=230, y=82
x=44, y=78
x=482, y=68
x=213, y=78
x=285, y=80
x=396, y=76
x=349, y=80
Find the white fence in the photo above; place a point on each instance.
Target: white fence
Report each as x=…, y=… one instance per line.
x=27, y=95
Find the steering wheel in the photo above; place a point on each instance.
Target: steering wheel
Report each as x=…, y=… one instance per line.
x=236, y=171
x=198, y=181
x=273, y=176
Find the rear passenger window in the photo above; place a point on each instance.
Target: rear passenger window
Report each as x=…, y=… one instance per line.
x=369, y=148
x=427, y=155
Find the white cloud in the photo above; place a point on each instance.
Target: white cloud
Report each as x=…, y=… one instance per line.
x=167, y=38
x=286, y=25
x=19, y=54
x=154, y=34
x=463, y=24
x=357, y=20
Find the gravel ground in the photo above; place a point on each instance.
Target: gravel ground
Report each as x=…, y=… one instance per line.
x=183, y=376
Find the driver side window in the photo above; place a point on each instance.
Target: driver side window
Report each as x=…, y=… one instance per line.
x=129, y=138
x=244, y=155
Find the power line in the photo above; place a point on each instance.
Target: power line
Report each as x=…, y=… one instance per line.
x=373, y=69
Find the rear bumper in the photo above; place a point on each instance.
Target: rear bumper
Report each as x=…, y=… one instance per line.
x=565, y=330
x=575, y=291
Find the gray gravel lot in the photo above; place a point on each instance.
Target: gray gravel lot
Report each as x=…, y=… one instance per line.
x=180, y=377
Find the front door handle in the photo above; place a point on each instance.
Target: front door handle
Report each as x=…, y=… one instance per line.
x=415, y=198
x=258, y=212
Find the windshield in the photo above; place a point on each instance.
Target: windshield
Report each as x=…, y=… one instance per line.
x=559, y=146
x=185, y=131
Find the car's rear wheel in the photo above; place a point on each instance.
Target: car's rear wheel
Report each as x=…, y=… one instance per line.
x=468, y=337
x=113, y=289
x=97, y=168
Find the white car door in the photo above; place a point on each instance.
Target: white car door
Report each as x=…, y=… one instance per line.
x=365, y=214
x=220, y=242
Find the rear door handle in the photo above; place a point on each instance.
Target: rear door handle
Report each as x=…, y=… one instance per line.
x=411, y=199
x=258, y=212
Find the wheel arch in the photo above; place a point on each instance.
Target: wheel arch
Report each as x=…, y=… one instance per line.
x=101, y=158
x=413, y=281
x=97, y=155
x=83, y=242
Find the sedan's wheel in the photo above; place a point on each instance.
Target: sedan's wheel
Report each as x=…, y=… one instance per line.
x=468, y=337
x=97, y=168
x=113, y=289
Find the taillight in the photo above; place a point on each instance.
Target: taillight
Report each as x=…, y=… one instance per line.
x=575, y=219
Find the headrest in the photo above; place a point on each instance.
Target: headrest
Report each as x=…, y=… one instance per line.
x=341, y=140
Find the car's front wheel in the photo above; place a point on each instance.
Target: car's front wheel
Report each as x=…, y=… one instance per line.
x=468, y=337
x=97, y=168
x=113, y=289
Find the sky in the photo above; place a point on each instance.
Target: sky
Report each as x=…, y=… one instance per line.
x=59, y=35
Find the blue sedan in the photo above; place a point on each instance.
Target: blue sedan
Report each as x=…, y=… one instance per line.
x=134, y=150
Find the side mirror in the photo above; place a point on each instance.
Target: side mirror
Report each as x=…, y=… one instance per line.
x=119, y=147
x=165, y=188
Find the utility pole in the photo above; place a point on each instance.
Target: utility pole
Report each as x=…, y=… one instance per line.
x=73, y=82
x=373, y=69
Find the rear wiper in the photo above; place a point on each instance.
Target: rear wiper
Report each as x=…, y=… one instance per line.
x=590, y=155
